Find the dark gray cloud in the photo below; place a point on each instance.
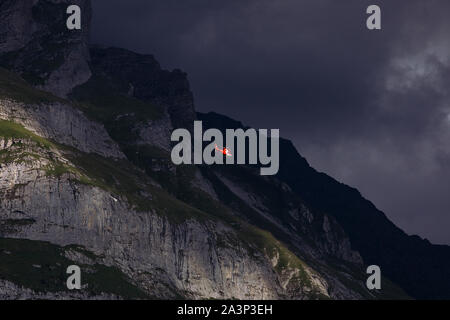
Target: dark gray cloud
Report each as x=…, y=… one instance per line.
x=370, y=108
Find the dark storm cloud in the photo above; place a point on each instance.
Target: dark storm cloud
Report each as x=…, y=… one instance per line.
x=371, y=108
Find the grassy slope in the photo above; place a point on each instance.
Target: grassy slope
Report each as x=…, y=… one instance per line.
x=9, y=129
x=15, y=88
x=104, y=102
x=42, y=266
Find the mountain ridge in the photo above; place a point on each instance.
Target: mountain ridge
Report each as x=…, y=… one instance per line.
x=294, y=168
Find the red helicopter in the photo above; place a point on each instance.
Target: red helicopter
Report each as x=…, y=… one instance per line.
x=225, y=151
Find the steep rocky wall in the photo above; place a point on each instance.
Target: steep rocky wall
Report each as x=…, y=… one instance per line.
x=186, y=257
x=62, y=123
x=156, y=132
x=312, y=232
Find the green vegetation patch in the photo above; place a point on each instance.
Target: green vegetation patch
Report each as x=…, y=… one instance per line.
x=12, y=225
x=17, y=156
x=121, y=178
x=21, y=152
x=15, y=88
x=12, y=130
x=41, y=266
x=105, y=103
x=57, y=169
x=266, y=242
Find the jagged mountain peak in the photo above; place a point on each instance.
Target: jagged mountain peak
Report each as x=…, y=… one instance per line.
x=142, y=77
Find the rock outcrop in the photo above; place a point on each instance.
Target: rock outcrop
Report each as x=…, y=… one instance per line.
x=141, y=76
x=35, y=42
x=60, y=122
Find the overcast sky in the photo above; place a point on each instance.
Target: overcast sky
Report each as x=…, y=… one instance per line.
x=370, y=108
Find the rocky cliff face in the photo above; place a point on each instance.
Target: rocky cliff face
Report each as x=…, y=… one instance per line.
x=51, y=193
x=87, y=180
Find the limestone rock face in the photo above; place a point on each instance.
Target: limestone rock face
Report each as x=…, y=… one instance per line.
x=35, y=42
x=60, y=122
x=156, y=133
x=185, y=257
